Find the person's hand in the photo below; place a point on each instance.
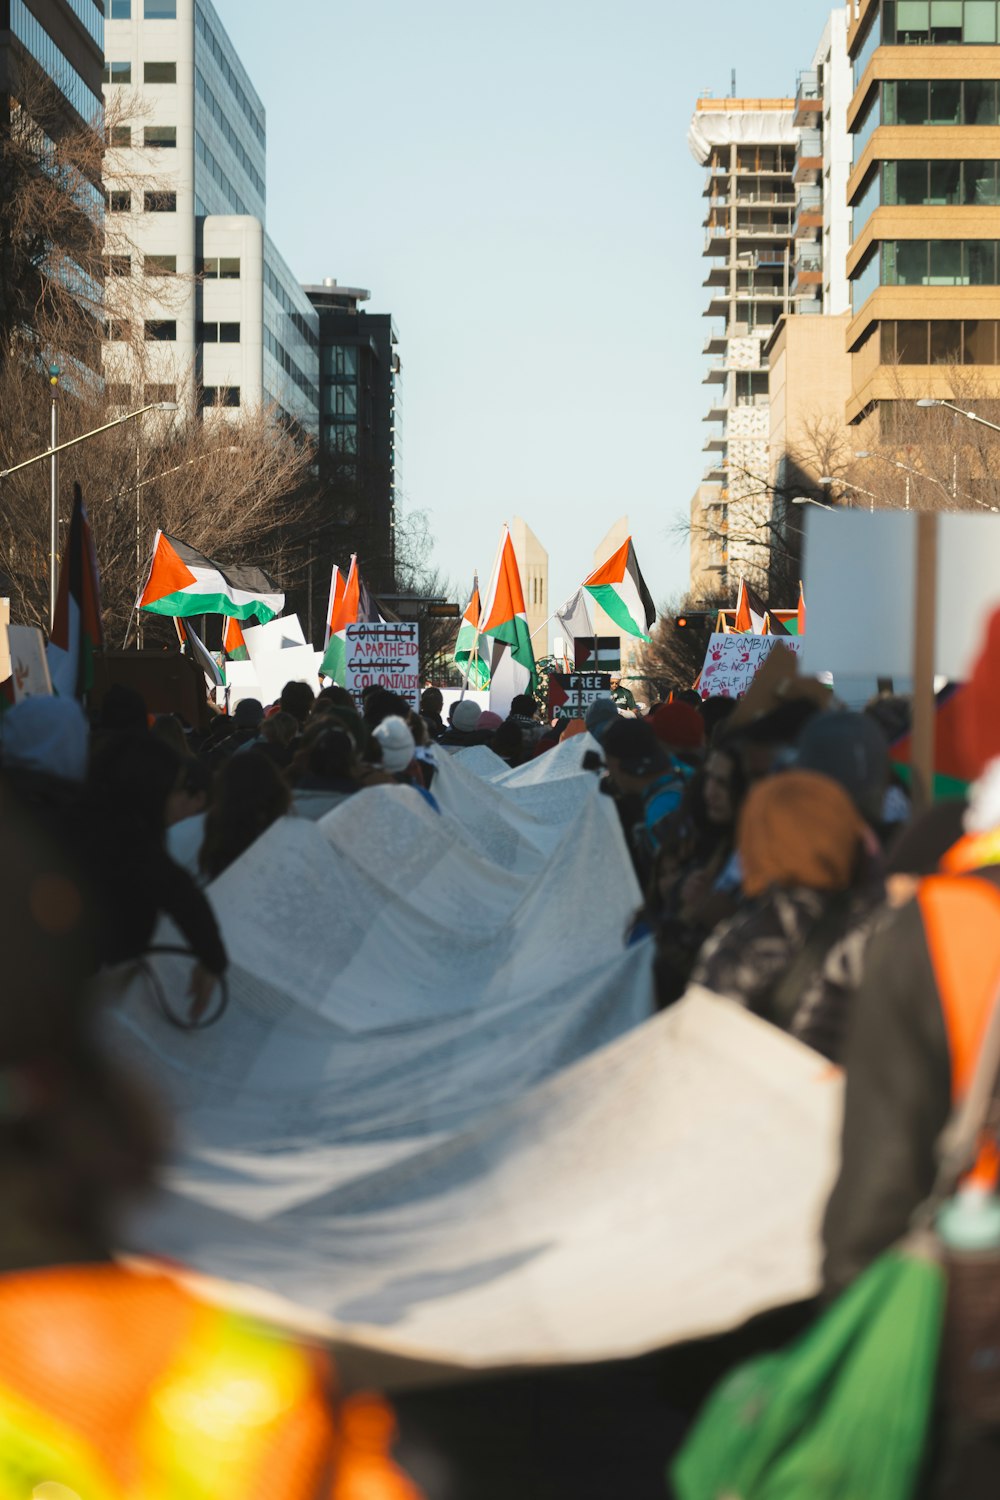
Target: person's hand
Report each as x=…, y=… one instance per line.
x=200, y=992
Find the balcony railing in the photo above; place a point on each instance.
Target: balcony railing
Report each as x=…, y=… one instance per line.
x=811, y=144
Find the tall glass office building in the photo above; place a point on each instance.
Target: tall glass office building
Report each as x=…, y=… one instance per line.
x=64, y=41
x=245, y=334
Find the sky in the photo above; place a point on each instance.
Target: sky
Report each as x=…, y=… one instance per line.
x=512, y=182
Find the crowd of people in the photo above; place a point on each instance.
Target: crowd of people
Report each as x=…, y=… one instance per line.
x=773, y=839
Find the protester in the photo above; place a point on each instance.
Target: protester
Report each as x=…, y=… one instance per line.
x=806, y=884
x=464, y=731
x=250, y=795
x=327, y=771
x=682, y=729
x=398, y=748
x=524, y=713
x=600, y=716
x=431, y=704
x=297, y=699
x=852, y=749
x=640, y=766
x=621, y=696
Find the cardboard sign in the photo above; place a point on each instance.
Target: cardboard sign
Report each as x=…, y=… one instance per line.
x=572, y=693
x=29, y=665
x=385, y=655
x=732, y=661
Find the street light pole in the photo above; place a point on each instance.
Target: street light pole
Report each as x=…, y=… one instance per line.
x=53, y=496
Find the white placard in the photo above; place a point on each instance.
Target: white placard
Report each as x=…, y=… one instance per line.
x=276, y=668
x=385, y=655
x=732, y=662
x=277, y=635
x=29, y=664
x=860, y=589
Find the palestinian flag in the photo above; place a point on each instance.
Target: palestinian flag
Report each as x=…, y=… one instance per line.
x=471, y=652
x=233, y=643
x=76, y=628
x=505, y=620
x=620, y=589
x=344, y=612
x=751, y=612
x=950, y=770
x=800, y=614
x=338, y=584
x=601, y=653
x=184, y=582
x=189, y=637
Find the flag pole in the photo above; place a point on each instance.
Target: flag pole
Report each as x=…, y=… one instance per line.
x=491, y=595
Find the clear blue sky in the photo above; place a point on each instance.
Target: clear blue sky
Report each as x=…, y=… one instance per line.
x=512, y=182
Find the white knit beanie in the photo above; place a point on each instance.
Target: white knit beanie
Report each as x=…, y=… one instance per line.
x=398, y=745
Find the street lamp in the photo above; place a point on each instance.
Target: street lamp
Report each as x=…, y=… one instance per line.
x=908, y=469
x=57, y=448
x=827, y=479
x=973, y=416
x=808, y=500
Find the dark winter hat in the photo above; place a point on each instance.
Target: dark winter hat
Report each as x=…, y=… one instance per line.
x=600, y=716
x=248, y=713
x=678, y=726
x=852, y=750
x=635, y=745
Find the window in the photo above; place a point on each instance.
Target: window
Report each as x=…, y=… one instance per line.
x=161, y=137
x=911, y=262
x=153, y=393
x=159, y=203
x=912, y=102
x=159, y=72
x=119, y=203
x=980, y=179
x=208, y=333
x=340, y=360
x=945, y=263
x=218, y=333
x=119, y=265
x=229, y=333
x=341, y=438
x=945, y=182
x=980, y=263
x=946, y=343
x=159, y=10
x=946, y=21
x=160, y=265
x=979, y=101
x=979, y=343
x=117, y=331
x=980, y=21
x=913, y=21
x=221, y=268
x=120, y=135
x=118, y=393
x=117, y=72
x=220, y=395
x=121, y=10
x=946, y=102
x=340, y=400
x=161, y=331
x=911, y=343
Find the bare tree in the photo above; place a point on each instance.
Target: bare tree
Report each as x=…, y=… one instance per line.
x=674, y=657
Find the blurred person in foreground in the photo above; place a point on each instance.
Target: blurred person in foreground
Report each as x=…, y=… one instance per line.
x=116, y=1383
x=916, y=1026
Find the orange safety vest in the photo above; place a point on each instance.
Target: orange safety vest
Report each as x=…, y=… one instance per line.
x=961, y=920
x=116, y=1385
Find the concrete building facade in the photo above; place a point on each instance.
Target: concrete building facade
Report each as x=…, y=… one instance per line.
x=533, y=566
x=924, y=263
x=224, y=324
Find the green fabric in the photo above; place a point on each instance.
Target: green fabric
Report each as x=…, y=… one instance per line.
x=945, y=788
x=517, y=636
x=608, y=596
x=841, y=1415
x=182, y=606
x=476, y=668
x=334, y=663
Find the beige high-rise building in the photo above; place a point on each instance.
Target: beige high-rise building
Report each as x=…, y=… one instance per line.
x=533, y=565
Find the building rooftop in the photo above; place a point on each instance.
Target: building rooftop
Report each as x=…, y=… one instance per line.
x=757, y=122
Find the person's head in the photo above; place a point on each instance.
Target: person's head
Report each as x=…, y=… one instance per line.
x=337, y=695
x=45, y=735
x=722, y=788
x=191, y=792
x=431, y=702
x=507, y=741
x=852, y=750
x=395, y=740
x=489, y=721
x=799, y=828
x=465, y=714
x=600, y=716
x=168, y=728
x=279, y=729
x=249, y=795
x=714, y=714
x=248, y=715
x=332, y=756
x=123, y=709
x=131, y=779
x=635, y=758
x=523, y=706
x=383, y=704
x=297, y=700
x=680, y=727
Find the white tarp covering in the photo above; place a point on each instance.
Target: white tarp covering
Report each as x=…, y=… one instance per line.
x=752, y=127
x=374, y=1133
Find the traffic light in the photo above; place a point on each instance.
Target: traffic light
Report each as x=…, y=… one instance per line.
x=694, y=620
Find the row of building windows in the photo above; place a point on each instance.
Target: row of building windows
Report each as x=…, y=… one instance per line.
x=220, y=268
x=340, y=437
x=54, y=62
x=87, y=12
x=926, y=263
x=929, y=184
x=299, y=323
x=279, y=353
x=218, y=175
x=928, y=101
x=339, y=360
x=340, y=400
x=212, y=268
x=156, y=137
x=152, y=203
x=221, y=119
x=119, y=393
x=218, y=333
x=939, y=341
x=903, y=23
x=152, y=10
x=218, y=52
x=152, y=72
x=164, y=330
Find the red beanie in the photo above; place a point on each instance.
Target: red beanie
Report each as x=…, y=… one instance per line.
x=979, y=714
x=679, y=726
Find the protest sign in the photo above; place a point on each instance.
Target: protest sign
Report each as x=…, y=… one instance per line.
x=572, y=693
x=29, y=665
x=732, y=662
x=385, y=654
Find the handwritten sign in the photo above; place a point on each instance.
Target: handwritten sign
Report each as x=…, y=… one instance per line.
x=385, y=655
x=29, y=665
x=732, y=662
